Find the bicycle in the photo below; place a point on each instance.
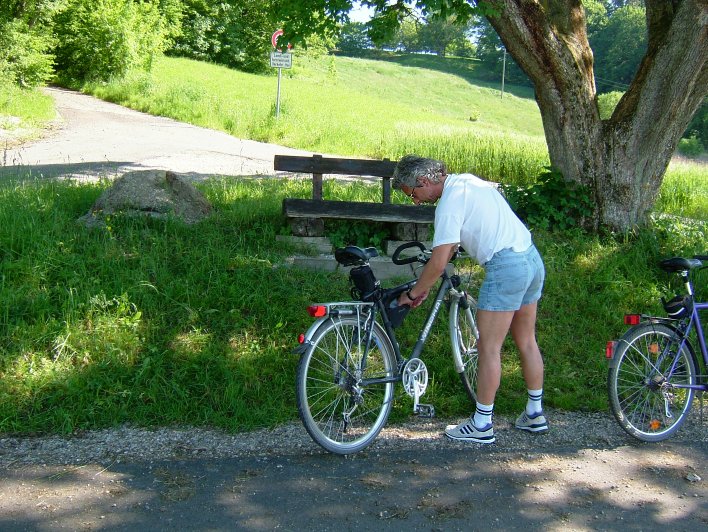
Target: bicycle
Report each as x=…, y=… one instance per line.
x=653, y=378
x=350, y=359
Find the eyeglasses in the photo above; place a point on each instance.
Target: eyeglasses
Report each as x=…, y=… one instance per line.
x=411, y=194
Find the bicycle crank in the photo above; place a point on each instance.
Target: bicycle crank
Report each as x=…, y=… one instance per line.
x=415, y=382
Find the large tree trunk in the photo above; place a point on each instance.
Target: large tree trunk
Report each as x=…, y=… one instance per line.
x=622, y=160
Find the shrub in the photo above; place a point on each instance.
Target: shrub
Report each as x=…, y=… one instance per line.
x=551, y=203
x=26, y=59
x=690, y=147
x=106, y=38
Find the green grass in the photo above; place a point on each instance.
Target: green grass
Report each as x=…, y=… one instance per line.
x=157, y=323
x=347, y=106
x=23, y=112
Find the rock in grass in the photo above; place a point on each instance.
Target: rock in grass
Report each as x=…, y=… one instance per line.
x=153, y=193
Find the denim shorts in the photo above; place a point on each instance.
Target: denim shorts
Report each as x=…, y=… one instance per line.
x=512, y=279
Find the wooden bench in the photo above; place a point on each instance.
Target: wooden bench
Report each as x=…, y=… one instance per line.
x=306, y=216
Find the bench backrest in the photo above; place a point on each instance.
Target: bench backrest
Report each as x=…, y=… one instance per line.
x=318, y=165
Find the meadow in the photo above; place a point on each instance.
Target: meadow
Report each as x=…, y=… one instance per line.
x=156, y=323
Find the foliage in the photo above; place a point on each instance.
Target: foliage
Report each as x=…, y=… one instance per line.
x=552, y=203
x=108, y=38
x=490, y=52
x=232, y=33
x=691, y=147
x=607, y=102
x=26, y=58
x=354, y=38
x=363, y=234
x=619, y=46
x=698, y=127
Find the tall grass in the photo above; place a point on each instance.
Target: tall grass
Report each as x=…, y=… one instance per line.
x=684, y=190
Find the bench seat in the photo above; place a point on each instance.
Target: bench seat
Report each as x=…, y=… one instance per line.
x=408, y=222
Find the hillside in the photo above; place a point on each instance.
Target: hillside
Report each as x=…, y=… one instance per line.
x=343, y=105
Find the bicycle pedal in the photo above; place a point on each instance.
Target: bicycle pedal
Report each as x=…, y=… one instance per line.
x=425, y=410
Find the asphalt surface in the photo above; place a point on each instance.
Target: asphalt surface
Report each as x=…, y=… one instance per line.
x=93, y=139
x=626, y=486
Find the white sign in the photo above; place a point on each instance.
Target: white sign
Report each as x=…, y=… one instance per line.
x=281, y=59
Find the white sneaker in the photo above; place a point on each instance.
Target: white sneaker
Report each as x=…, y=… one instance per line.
x=532, y=423
x=466, y=431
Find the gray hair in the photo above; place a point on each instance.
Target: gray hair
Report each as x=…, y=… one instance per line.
x=411, y=168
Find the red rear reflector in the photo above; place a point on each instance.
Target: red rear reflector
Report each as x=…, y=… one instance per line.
x=317, y=311
x=632, y=319
x=610, y=349
x=301, y=339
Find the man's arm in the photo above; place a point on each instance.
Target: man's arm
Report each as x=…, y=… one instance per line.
x=431, y=273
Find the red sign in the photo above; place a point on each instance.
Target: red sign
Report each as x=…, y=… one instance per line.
x=274, y=38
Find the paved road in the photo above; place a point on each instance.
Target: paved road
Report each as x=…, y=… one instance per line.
x=625, y=488
x=93, y=138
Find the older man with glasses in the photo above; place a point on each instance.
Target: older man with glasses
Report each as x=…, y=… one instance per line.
x=473, y=213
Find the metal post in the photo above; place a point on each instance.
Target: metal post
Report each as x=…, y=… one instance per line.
x=503, y=74
x=277, y=98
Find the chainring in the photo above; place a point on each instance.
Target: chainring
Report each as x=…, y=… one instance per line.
x=415, y=377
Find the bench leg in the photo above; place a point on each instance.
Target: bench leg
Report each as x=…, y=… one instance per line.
x=307, y=226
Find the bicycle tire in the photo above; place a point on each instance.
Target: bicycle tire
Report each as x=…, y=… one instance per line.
x=641, y=397
x=340, y=414
x=464, y=336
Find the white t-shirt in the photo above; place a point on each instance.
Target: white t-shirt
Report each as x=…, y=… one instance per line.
x=473, y=212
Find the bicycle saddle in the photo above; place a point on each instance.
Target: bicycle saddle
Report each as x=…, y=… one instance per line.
x=679, y=264
x=354, y=255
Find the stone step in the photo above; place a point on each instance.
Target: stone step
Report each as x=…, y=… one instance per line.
x=382, y=267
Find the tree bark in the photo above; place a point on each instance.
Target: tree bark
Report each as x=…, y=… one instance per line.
x=621, y=160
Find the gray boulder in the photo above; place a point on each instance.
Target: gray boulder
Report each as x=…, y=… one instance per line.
x=154, y=193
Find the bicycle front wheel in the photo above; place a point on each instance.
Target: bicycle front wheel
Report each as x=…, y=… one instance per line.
x=341, y=399
x=464, y=336
x=647, y=382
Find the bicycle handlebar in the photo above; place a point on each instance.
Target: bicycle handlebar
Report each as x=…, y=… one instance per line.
x=423, y=256
x=395, y=258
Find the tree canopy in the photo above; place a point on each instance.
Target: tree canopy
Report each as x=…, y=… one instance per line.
x=622, y=159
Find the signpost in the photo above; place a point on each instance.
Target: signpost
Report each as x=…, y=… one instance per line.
x=279, y=60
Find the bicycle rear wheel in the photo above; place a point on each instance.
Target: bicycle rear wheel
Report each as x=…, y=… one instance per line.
x=464, y=336
x=341, y=409
x=642, y=385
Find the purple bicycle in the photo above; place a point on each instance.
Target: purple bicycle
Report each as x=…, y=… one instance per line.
x=654, y=371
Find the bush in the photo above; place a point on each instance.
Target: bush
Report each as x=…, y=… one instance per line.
x=107, y=38
x=552, y=203
x=690, y=147
x=26, y=60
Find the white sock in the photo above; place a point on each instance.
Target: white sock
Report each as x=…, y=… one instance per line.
x=534, y=403
x=483, y=415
